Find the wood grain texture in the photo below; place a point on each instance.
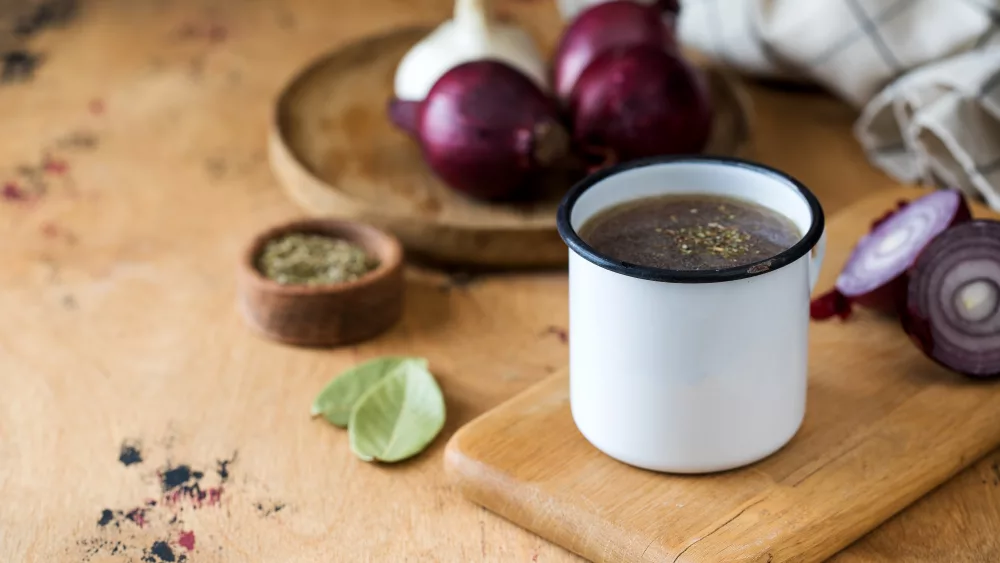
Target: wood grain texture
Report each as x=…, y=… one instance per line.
x=139, y=145
x=336, y=153
x=325, y=315
x=883, y=426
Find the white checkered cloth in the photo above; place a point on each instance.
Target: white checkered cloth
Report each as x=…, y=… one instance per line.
x=926, y=73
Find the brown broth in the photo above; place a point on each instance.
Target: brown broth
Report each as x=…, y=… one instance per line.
x=689, y=232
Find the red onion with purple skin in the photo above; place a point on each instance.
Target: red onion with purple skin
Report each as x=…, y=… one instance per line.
x=620, y=23
x=485, y=129
x=875, y=275
x=639, y=101
x=953, y=301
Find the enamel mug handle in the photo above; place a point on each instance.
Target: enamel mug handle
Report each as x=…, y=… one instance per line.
x=816, y=261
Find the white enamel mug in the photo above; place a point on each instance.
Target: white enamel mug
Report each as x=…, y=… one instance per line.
x=690, y=371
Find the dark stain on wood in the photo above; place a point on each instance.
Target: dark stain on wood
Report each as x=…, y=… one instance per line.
x=215, y=167
x=559, y=332
x=265, y=509
x=130, y=453
x=84, y=140
x=13, y=192
x=53, y=13
x=18, y=65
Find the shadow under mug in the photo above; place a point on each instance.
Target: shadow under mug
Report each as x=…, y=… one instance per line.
x=690, y=371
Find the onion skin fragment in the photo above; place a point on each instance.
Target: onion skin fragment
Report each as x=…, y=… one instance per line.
x=966, y=341
x=831, y=304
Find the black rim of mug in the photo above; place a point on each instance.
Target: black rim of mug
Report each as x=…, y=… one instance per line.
x=783, y=258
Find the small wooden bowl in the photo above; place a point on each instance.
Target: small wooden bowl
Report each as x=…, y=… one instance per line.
x=325, y=315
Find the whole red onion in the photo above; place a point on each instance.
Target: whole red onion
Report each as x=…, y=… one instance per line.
x=619, y=23
x=485, y=129
x=639, y=101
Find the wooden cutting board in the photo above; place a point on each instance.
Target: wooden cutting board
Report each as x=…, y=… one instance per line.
x=883, y=426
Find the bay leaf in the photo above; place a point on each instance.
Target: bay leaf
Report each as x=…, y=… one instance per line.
x=399, y=417
x=337, y=399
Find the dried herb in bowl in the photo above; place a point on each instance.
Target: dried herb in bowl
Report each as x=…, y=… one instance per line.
x=312, y=259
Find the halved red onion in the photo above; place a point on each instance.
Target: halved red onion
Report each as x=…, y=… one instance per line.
x=875, y=274
x=953, y=301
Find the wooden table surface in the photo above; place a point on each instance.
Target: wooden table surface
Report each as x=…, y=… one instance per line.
x=132, y=172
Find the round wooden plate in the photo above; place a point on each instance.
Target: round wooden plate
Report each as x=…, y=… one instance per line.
x=336, y=153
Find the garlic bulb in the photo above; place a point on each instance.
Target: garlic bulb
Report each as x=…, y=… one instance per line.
x=468, y=36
